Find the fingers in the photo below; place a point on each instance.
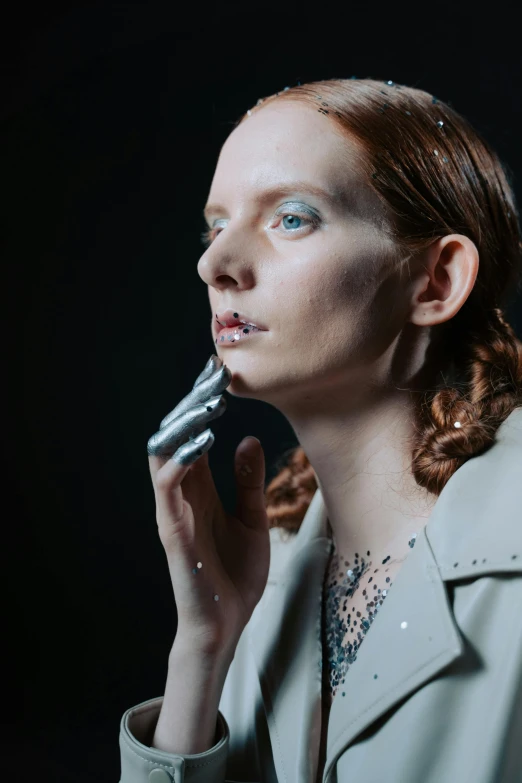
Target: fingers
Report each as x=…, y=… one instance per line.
x=167, y=491
x=212, y=364
x=166, y=441
x=189, y=417
x=250, y=483
x=215, y=384
x=189, y=452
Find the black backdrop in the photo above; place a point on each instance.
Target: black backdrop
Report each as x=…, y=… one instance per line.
x=112, y=119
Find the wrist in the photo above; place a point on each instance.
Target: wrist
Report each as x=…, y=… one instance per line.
x=203, y=653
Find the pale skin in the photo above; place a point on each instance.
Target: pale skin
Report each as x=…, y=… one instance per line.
x=344, y=328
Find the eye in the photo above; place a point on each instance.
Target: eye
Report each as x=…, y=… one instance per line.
x=208, y=235
x=291, y=223
x=297, y=218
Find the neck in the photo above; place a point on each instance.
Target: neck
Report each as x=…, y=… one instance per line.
x=362, y=462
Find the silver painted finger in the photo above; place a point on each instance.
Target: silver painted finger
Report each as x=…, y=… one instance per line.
x=189, y=452
x=213, y=385
x=185, y=427
x=213, y=363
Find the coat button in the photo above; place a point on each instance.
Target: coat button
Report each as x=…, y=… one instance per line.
x=159, y=776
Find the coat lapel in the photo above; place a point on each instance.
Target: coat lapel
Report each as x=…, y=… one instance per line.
x=286, y=643
x=413, y=638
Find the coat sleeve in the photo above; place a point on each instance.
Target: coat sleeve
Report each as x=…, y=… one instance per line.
x=142, y=764
x=241, y=740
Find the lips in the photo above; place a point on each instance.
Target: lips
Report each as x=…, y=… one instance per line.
x=233, y=318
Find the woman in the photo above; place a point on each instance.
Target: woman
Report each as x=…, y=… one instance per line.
x=362, y=238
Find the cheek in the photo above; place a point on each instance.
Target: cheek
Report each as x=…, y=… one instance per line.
x=323, y=306
x=335, y=288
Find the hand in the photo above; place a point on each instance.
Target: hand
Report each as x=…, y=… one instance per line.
x=218, y=562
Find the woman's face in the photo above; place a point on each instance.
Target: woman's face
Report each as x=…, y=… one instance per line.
x=313, y=268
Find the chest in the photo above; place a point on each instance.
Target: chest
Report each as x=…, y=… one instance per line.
x=352, y=596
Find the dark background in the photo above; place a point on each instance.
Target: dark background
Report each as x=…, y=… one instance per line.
x=113, y=115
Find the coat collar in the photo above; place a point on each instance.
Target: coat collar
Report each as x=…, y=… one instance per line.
x=473, y=529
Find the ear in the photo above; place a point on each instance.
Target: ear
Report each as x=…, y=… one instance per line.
x=445, y=278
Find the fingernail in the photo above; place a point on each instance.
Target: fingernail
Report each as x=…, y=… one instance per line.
x=202, y=438
x=213, y=403
x=207, y=372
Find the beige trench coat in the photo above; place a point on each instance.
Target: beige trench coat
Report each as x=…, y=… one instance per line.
x=446, y=705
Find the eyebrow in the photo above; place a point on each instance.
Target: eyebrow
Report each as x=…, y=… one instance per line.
x=270, y=194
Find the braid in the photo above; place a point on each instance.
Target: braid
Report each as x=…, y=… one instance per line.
x=290, y=493
x=492, y=391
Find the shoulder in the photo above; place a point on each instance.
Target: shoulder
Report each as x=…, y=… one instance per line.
x=476, y=523
x=281, y=546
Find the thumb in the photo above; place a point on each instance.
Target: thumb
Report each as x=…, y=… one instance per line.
x=249, y=468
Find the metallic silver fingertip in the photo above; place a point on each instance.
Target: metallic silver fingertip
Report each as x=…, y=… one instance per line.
x=222, y=379
x=210, y=366
x=202, y=437
x=215, y=402
x=190, y=452
x=152, y=446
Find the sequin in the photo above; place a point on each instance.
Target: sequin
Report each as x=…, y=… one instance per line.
x=343, y=635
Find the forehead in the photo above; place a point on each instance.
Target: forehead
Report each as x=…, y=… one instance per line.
x=290, y=141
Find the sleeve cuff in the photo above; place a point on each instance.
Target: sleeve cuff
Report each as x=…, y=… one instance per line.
x=142, y=764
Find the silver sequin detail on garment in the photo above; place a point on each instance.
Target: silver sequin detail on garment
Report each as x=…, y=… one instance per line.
x=355, y=627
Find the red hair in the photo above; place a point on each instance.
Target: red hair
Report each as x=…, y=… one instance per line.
x=435, y=175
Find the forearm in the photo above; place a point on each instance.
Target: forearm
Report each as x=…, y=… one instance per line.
x=188, y=717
